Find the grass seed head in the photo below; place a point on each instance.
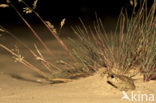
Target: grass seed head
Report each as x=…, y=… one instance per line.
x=4, y=5
x=27, y=10
x=133, y=3
x=2, y=30
x=62, y=22
x=8, y=1
x=19, y=58
x=20, y=0
x=51, y=27
x=35, y=4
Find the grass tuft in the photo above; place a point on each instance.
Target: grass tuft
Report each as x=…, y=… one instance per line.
x=129, y=51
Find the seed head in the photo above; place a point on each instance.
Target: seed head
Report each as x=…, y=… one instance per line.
x=27, y=10
x=2, y=30
x=4, y=5
x=62, y=22
x=51, y=26
x=8, y=1
x=20, y=0
x=35, y=4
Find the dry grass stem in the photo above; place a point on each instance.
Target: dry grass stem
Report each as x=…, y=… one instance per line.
x=21, y=59
x=33, y=31
x=127, y=52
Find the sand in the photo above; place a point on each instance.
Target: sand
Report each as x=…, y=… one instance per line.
x=21, y=85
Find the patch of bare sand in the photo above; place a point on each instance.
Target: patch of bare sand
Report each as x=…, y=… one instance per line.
x=20, y=85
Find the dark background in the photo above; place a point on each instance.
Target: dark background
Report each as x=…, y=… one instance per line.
x=69, y=9
x=55, y=10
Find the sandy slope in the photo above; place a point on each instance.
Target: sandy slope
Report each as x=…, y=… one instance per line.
x=20, y=85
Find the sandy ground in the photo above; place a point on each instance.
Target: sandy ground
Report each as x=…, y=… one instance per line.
x=21, y=85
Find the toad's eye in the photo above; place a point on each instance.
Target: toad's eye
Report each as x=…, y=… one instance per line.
x=112, y=76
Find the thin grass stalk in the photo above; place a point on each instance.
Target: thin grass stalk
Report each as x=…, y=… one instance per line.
x=57, y=37
x=54, y=34
x=12, y=35
x=27, y=48
x=33, y=31
x=32, y=67
x=45, y=61
x=26, y=63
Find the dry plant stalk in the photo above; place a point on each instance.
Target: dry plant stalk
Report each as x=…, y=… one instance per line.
x=43, y=60
x=21, y=59
x=33, y=31
x=118, y=55
x=52, y=31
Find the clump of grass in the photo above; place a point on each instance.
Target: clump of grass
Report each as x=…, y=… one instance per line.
x=56, y=73
x=147, y=42
x=130, y=51
x=38, y=56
